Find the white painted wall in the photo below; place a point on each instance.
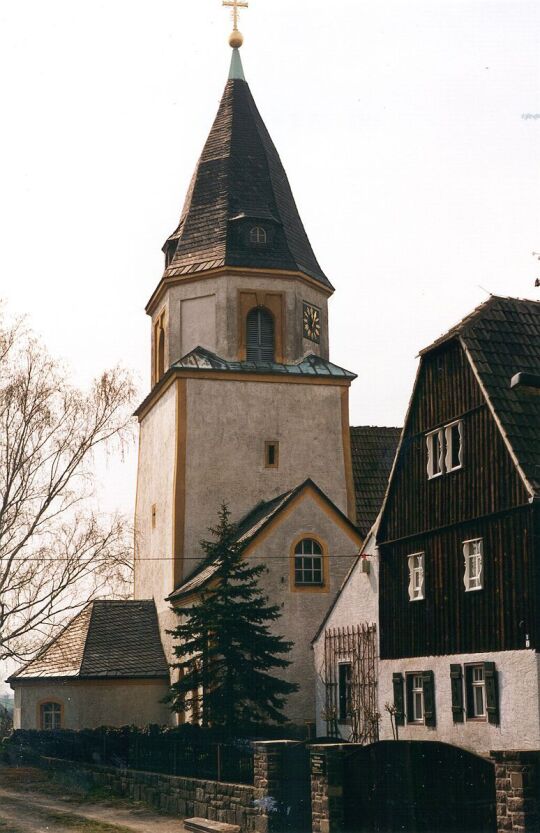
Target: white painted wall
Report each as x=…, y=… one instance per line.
x=87, y=705
x=356, y=605
x=518, y=675
x=198, y=324
x=155, y=478
x=227, y=426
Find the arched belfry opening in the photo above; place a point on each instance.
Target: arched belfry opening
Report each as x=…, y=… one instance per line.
x=161, y=353
x=260, y=338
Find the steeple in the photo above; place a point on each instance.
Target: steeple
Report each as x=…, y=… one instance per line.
x=240, y=210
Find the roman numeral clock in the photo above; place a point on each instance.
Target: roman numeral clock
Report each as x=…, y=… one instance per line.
x=312, y=323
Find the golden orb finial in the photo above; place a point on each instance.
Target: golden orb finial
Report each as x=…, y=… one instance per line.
x=236, y=38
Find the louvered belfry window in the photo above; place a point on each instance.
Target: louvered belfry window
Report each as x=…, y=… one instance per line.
x=260, y=336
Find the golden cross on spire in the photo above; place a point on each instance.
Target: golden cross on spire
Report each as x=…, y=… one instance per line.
x=236, y=5
x=236, y=40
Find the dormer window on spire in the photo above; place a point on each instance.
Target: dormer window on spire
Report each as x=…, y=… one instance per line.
x=257, y=236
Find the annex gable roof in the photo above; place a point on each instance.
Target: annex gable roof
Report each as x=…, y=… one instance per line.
x=107, y=639
x=501, y=338
x=253, y=524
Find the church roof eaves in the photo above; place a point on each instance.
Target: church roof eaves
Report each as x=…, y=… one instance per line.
x=249, y=528
x=201, y=360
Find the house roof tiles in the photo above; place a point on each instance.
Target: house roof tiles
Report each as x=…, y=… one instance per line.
x=373, y=450
x=109, y=639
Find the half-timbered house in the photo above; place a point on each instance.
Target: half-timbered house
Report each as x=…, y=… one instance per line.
x=458, y=540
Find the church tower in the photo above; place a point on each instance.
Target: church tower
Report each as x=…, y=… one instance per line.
x=245, y=404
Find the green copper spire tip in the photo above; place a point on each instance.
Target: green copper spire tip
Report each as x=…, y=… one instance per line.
x=236, y=72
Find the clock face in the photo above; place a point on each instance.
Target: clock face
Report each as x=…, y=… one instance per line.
x=312, y=323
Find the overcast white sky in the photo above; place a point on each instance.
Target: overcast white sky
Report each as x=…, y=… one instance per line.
x=399, y=123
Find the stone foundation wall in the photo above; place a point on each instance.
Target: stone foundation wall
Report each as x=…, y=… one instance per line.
x=517, y=782
x=181, y=796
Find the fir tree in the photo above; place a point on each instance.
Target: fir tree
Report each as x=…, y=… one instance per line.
x=226, y=652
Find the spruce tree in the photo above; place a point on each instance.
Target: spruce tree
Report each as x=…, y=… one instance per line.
x=227, y=655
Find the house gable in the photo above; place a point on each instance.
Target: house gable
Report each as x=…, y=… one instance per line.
x=431, y=511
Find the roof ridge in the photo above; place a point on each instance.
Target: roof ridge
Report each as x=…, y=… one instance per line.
x=472, y=317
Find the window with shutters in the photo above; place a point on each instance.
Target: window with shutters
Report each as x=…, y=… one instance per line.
x=259, y=335
x=476, y=691
x=416, y=576
x=415, y=699
x=481, y=692
x=473, y=577
x=421, y=697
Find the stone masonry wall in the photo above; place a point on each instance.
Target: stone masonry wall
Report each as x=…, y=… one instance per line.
x=250, y=807
x=517, y=782
x=327, y=806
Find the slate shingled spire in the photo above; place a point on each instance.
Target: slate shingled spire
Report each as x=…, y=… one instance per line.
x=240, y=184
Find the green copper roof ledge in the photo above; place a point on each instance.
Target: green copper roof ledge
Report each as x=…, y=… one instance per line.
x=236, y=72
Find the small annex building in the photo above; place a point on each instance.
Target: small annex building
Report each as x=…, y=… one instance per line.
x=106, y=668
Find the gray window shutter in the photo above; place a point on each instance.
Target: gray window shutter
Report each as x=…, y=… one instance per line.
x=259, y=336
x=456, y=683
x=492, y=692
x=428, y=684
x=397, y=681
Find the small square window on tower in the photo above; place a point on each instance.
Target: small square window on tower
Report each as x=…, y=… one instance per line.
x=271, y=455
x=154, y=515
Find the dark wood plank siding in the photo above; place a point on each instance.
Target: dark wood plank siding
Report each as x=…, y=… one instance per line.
x=449, y=619
x=488, y=481
x=486, y=499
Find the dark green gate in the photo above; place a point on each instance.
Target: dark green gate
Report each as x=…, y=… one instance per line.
x=418, y=787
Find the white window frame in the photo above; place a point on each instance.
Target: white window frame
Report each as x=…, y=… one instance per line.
x=473, y=579
x=431, y=469
x=51, y=716
x=449, y=445
x=416, y=576
x=475, y=685
x=417, y=696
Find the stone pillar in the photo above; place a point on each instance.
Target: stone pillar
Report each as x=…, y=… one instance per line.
x=327, y=775
x=517, y=782
x=268, y=780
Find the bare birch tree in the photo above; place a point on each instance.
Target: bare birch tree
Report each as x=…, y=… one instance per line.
x=56, y=551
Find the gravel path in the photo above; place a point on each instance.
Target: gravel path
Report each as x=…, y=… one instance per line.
x=33, y=812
